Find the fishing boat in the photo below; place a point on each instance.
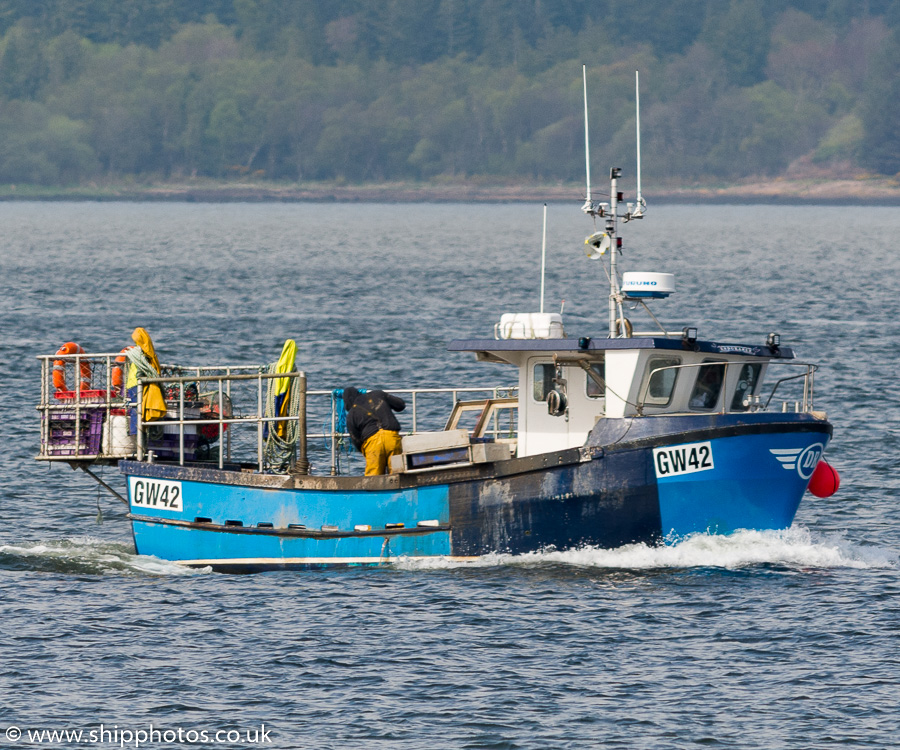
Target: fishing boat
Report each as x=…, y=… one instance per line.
x=600, y=440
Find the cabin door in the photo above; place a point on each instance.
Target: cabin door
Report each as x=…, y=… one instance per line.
x=541, y=431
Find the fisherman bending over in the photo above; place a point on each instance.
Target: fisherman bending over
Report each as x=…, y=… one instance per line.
x=373, y=428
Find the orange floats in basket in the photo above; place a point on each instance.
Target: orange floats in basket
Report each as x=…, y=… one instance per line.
x=59, y=368
x=117, y=374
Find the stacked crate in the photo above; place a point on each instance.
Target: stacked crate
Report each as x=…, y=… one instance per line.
x=74, y=433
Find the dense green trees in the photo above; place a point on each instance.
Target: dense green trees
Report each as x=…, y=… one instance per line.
x=880, y=108
x=442, y=89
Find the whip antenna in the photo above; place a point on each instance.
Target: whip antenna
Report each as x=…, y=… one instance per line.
x=640, y=204
x=543, y=257
x=588, y=204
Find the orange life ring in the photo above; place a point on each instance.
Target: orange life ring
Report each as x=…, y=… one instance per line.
x=117, y=374
x=59, y=368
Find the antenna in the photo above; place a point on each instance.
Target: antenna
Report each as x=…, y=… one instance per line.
x=640, y=203
x=636, y=209
x=588, y=204
x=637, y=120
x=543, y=257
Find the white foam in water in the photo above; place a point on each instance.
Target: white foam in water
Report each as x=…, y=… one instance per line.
x=795, y=548
x=95, y=557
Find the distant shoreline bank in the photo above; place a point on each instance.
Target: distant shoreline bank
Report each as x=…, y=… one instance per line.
x=871, y=191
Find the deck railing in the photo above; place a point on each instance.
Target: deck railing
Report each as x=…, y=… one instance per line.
x=753, y=403
x=76, y=422
x=234, y=424
x=805, y=403
x=423, y=416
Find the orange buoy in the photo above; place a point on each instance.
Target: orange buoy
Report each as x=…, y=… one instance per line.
x=825, y=480
x=59, y=368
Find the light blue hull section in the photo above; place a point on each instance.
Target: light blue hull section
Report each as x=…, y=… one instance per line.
x=221, y=503
x=221, y=549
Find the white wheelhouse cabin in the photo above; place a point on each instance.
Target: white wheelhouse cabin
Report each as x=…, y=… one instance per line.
x=566, y=386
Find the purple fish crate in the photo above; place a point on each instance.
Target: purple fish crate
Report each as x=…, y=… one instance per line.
x=60, y=434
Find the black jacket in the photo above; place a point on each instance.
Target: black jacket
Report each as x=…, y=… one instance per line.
x=369, y=412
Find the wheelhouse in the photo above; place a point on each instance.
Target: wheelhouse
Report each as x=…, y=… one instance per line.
x=566, y=385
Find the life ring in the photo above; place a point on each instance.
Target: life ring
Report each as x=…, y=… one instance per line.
x=117, y=374
x=59, y=368
x=624, y=325
x=557, y=403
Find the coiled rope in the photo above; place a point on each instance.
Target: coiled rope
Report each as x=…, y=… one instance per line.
x=280, y=452
x=142, y=365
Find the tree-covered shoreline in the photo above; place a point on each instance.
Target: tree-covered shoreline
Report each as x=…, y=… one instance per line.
x=443, y=91
x=869, y=191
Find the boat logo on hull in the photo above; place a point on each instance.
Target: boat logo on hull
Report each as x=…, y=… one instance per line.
x=804, y=460
x=682, y=459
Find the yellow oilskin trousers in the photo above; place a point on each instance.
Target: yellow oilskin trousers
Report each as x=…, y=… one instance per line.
x=378, y=450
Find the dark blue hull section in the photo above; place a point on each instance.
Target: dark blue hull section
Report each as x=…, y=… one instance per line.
x=643, y=480
x=606, y=501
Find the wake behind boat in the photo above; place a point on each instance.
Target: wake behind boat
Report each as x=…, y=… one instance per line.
x=632, y=437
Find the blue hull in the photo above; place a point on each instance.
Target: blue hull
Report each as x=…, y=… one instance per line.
x=642, y=480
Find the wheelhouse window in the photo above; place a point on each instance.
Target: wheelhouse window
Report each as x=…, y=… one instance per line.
x=660, y=383
x=746, y=384
x=708, y=386
x=592, y=388
x=543, y=381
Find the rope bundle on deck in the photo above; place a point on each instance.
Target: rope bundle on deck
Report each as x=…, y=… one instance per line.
x=282, y=400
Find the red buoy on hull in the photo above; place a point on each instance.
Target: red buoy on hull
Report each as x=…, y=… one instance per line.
x=825, y=480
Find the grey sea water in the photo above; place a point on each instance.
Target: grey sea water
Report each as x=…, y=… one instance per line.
x=772, y=640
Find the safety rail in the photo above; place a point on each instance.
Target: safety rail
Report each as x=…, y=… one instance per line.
x=85, y=424
x=752, y=403
x=76, y=424
x=205, y=423
x=432, y=413
x=221, y=422
x=806, y=403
